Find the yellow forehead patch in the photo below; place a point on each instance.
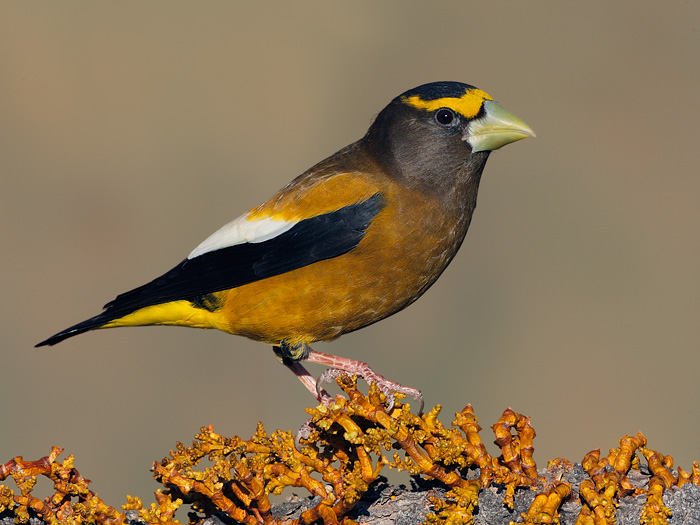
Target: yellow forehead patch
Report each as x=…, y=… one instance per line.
x=468, y=105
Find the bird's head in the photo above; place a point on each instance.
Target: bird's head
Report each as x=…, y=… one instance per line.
x=456, y=108
x=435, y=128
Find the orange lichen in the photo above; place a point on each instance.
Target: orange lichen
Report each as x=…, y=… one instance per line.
x=72, y=501
x=340, y=455
x=545, y=507
x=689, y=477
x=457, y=508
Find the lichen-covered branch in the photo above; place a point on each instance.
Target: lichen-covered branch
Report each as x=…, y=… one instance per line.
x=339, y=458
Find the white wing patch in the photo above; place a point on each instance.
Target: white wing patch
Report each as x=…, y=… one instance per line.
x=240, y=231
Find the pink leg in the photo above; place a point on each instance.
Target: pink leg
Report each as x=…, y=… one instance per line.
x=319, y=393
x=351, y=366
x=309, y=382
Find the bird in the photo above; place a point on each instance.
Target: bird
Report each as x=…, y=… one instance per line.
x=356, y=238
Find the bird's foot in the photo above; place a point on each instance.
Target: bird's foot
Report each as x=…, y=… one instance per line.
x=292, y=355
x=385, y=386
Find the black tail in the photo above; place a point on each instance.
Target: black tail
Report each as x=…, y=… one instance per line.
x=90, y=324
x=126, y=303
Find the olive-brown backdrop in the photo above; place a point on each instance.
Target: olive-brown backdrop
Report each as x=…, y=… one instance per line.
x=130, y=131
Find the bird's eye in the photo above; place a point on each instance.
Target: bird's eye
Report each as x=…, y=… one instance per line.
x=444, y=116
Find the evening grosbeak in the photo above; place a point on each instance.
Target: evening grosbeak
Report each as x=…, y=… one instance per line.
x=356, y=238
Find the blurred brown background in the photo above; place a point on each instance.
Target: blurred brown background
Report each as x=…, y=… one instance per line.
x=130, y=131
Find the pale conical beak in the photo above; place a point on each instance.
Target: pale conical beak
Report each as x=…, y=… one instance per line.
x=495, y=129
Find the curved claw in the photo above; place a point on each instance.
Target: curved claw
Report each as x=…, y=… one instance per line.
x=303, y=433
x=328, y=376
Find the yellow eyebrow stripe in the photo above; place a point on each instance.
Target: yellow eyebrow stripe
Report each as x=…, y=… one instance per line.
x=468, y=105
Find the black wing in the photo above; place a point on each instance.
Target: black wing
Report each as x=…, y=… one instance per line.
x=309, y=241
